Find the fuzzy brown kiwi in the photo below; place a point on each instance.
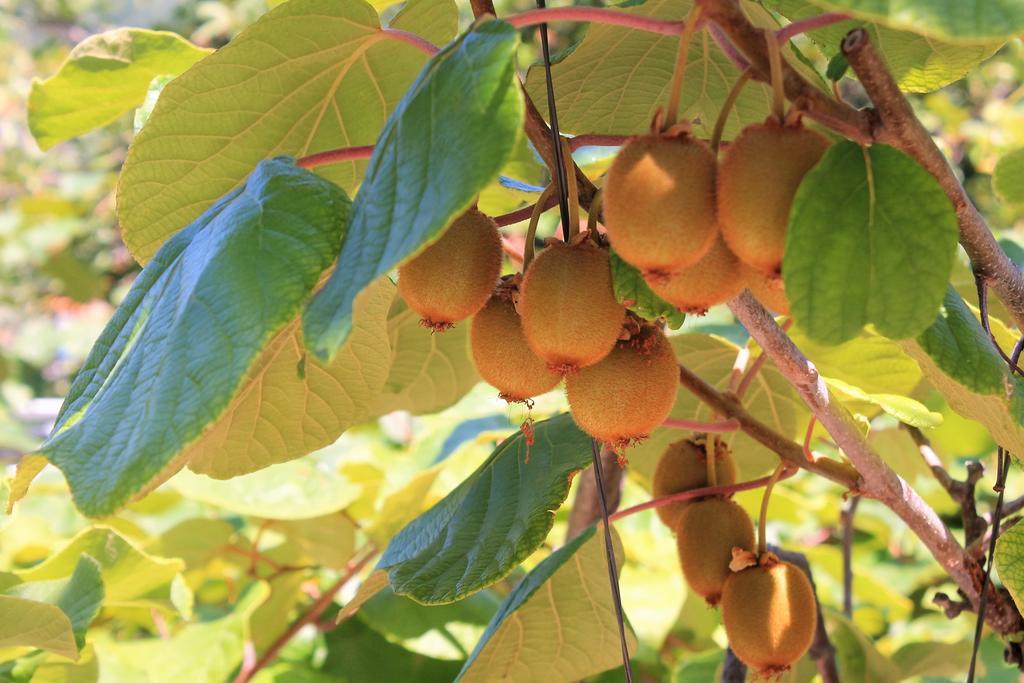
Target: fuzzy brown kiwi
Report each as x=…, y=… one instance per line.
x=716, y=278
x=707, y=532
x=629, y=393
x=501, y=354
x=757, y=179
x=683, y=467
x=570, y=316
x=769, y=290
x=659, y=202
x=770, y=615
x=453, y=278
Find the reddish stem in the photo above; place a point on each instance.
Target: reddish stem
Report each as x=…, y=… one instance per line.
x=335, y=156
x=719, y=427
x=726, y=46
x=597, y=15
x=807, y=439
x=700, y=493
x=314, y=612
x=597, y=140
x=418, y=42
x=809, y=24
x=750, y=374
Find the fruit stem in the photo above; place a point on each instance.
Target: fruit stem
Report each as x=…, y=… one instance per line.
x=594, y=214
x=703, y=492
x=809, y=24
x=574, y=195
x=531, y=232
x=762, y=523
x=678, y=72
x=775, y=62
x=723, y=114
x=710, y=453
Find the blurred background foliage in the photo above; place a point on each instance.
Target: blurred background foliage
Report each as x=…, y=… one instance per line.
x=200, y=571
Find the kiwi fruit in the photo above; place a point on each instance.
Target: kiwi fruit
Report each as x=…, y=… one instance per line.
x=683, y=467
x=453, y=278
x=501, y=354
x=621, y=399
x=659, y=202
x=706, y=533
x=769, y=290
x=758, y=176
x=570, y=316
x=716, y=278
x=770, y=615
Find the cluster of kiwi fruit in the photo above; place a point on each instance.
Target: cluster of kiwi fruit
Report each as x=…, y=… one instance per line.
x=699, y=229
x=768, y=606
x=559, y=320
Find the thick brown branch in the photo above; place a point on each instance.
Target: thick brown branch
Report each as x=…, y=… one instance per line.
x=879, y=480
x=898, y=126
x=787, y=449
x=816, y=103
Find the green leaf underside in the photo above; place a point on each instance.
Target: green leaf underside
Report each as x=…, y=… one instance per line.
x=494, y=519
x=429, y=372
x=557, y=624
x=196, y=319
x=958, y=21
x=282, y=413
x=917, y=62
x=633, y=292
x=958, y=359
x=872, y=239
x=460, y=120
x=104, y=76
x=616, y=79
x=1009, y=562
x=1008, y=177
x=31, y=624
x=78, y=596
x=308, y=76
x=435, y=20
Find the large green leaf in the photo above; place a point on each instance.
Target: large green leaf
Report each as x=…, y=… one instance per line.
x=435, y=20
x=617, y=77
x=130, y=576
x=1009, y=562
x=633, y=292
x=180, y=346
x=28, y=624
x=78, y=596
x=447, y=139
x=1008, y=177
x=356, y=652
x=300, y=489
x=959, y=360
x=958, y=21
x=871, y=239
x=429, y=372
x=500, y=514
x=310, y=75
x=917, y=62
x=292, y=404
x=105, y=75
x=558, y=624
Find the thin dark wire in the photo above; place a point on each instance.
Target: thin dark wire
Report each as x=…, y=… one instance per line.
x=609, y=553
x=1003, y=465
x=1011, y=360
x=556, y=137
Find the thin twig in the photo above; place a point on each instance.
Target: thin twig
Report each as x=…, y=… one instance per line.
x=597, y=15
x=335, y=156
x=418, y=42
x=846, y=522
x=809, y=24
x=310, y=616
x=586, y=507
